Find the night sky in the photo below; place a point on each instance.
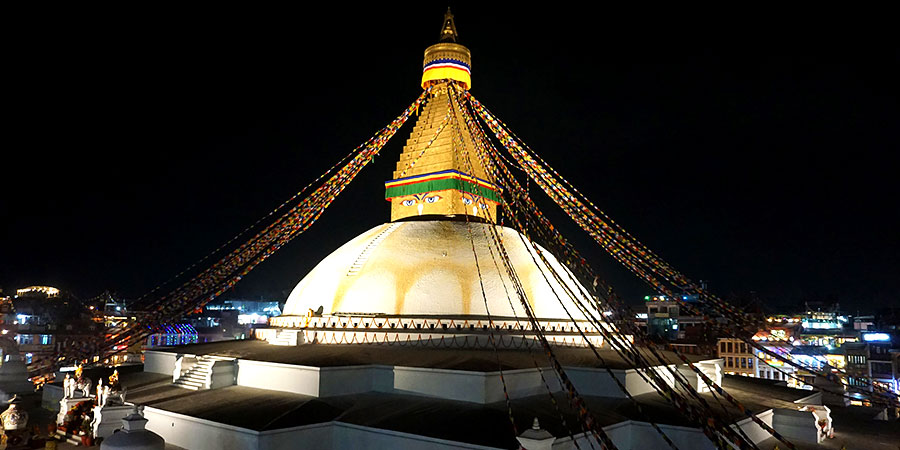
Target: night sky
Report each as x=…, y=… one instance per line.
x=762, y=157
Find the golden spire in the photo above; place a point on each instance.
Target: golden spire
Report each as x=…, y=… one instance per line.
x=439, y=173
x=448, y=31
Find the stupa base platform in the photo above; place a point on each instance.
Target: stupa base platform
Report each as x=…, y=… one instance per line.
x=338, y=395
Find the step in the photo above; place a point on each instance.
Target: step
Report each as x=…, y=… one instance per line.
x=194, y=372
x=195, y=379
x=73, y=439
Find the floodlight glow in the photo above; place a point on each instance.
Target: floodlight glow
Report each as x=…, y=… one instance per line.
x=876, y=337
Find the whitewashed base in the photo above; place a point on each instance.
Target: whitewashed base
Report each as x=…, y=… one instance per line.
x=108, y=419
x=66, y=404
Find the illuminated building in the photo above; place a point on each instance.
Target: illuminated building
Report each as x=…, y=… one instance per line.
x=38, y=291
x=174, y=334
x=874, y=361
x=665, y=318
x=42, y=325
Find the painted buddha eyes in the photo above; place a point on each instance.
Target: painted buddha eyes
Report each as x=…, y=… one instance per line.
x=418, y=199
x=468, y=201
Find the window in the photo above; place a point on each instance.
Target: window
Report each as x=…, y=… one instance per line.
x=749, y=363
x=730, y=362
x=881, y=368
x=721, y=347
x=730, y=347
x=743, y=363
x=46, y=339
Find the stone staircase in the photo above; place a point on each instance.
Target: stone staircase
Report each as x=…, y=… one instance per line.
x=71, y=439
x=198, y=376
x=286, y=338
x=364, y=255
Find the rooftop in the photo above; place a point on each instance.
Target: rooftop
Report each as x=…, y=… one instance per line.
x=482, y=360
x=262, y=410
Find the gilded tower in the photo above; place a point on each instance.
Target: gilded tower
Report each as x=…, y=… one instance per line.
x=439, y=173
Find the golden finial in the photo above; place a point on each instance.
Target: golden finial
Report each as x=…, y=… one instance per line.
x=448, y=31
x=78, y=371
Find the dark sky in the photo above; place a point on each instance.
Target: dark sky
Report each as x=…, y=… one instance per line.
x=762, y=157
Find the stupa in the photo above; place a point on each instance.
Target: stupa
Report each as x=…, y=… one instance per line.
x=431, y=275
x=462, y=367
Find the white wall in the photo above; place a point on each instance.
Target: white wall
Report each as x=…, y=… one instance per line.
x=796, y=425
x=755, y=432
x=355, y=379
x=198, y=434
x=636, y=384
x=159, y=362
x=449, y=384
x=222, y=374
x=476, y=387
x=278, y=377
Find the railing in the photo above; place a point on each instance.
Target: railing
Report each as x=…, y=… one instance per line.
x=409, y=323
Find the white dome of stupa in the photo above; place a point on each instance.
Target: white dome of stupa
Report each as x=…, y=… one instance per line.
x=428, y=268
